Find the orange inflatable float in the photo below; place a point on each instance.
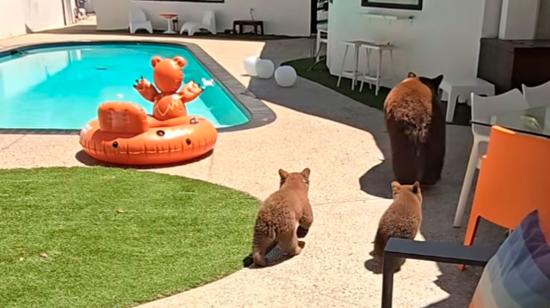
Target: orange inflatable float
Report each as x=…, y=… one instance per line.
x=125, y=134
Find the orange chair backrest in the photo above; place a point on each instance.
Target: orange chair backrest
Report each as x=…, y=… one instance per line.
x=514, y=178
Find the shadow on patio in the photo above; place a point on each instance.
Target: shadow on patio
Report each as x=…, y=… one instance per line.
x=439, y=201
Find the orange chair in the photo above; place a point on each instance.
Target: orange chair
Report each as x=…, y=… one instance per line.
x=514, y=180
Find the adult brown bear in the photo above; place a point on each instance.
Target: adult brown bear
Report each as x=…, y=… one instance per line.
x=416, y=127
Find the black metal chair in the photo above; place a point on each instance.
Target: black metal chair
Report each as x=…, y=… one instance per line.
x=429, y=251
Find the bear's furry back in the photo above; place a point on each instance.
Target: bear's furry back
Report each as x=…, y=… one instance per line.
x=410, y=104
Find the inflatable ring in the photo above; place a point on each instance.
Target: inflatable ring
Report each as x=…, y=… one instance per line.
x=125, y=134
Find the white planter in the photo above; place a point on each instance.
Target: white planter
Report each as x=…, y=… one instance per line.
x=250, y=65
x=264, y=69
x=518, y=19
x=285, y=76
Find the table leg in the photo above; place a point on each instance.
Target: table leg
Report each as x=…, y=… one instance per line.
x=262, y=28
x=234, y=28
x=170, y=30
x=387, y=282
x=256, y=26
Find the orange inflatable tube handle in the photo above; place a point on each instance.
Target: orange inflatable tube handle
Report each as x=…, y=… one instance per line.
x=120, y=117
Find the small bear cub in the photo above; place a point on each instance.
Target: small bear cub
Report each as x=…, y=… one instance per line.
x=284, y=216
x=402, y=219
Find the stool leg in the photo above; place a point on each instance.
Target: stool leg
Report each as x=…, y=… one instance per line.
x=318, y=46
x=378, y=69
x=391, y=64
x=342, y=67
x=366, y=70
x=317, y=56
x=356, y=67
x=451, y=104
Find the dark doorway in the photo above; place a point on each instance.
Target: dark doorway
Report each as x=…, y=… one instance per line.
x=313, y=14
x=319, y=13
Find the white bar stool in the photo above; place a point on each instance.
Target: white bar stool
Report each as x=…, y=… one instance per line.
x=454, y=89
x=355, y=72
x=380, y=49
x=322, y=38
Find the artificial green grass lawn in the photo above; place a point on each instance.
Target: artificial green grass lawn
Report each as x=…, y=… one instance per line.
x=320, y=74
x=104, y=237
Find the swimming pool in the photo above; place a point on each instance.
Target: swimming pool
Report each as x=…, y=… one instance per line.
x=61, y=87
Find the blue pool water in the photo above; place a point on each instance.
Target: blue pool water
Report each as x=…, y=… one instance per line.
x=61, y=87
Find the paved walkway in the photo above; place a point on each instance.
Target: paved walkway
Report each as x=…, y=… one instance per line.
x=345, y=145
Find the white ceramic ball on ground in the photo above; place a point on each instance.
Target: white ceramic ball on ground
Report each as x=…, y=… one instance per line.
x=286, y=76
x=250, y=65
x=265, y=68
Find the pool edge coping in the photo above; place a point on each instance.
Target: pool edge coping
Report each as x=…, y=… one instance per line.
x=259, y=113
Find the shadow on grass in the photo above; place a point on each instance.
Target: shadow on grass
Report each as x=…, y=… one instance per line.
x=319, y=73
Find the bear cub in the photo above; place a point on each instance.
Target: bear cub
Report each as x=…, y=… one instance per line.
x=284, y=216
x=402, y=219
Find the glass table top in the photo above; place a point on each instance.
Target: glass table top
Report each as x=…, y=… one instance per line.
x=534, y=121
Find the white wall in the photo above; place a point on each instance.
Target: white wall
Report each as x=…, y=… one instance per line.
x=17, y=15
x=491, y=18
x=543, y=27
x=443, y=38
x=283, y=17
x=518, y=20
x=12, y=18
x=43, y=14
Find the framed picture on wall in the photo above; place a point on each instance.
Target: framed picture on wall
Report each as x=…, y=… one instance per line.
x=394, y=4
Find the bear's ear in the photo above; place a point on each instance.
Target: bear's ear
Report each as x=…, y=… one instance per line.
x=305, y=173
x=415, y=187
x=283, y=174
x=180, y=61
x=395, y=186
x=411, y=75
x=437, y=81
x=155, y=61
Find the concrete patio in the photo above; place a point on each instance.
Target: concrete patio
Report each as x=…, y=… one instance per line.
x=345, y=145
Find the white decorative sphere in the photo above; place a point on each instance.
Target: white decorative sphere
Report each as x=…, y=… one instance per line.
x=265, y=68
x=286, y=76
x=250, y=65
